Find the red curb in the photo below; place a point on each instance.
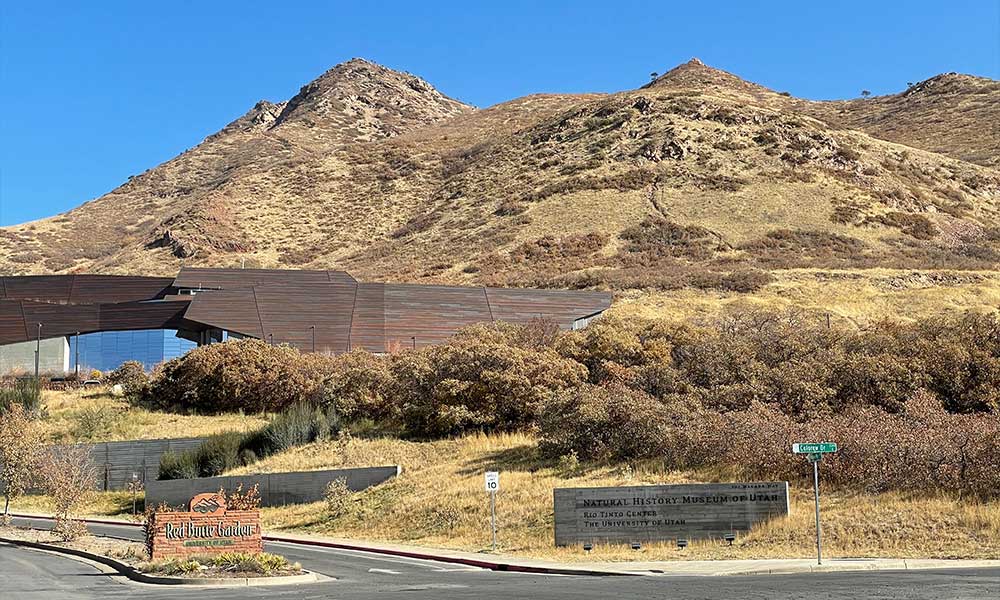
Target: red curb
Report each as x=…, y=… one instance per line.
x=482, y=564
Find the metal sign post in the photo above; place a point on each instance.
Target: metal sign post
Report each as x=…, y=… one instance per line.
x=815, y=452
x=492, y=483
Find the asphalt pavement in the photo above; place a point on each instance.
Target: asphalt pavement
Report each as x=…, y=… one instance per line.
x=33, y=575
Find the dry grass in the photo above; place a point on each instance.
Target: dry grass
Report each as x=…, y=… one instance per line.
x=854, y=296
x=94, y=416
x=98, y=504
x=438, y=501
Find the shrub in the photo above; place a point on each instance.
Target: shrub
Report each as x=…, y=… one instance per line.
x=68, y=475
x=20, y=448
x=131, y=375
x=601, y=423
x=177, y=465
x=611, y=422
x=245, y=375
x=299, y=425
x=923, y=448
x=242, y=562
x=25, y=393
x=473, y=384
x=337, y=497
x=359, y=387
x=97, y=422
x=216, y=455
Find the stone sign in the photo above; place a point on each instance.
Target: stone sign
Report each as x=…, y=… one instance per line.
x=664, y=512
x=208, y=528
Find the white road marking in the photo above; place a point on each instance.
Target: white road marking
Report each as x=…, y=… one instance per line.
x=386, y=571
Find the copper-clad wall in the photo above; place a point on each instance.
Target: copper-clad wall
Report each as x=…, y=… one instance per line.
x=51, y=288
x=423, y=315
x=100, y=289
x=231, y=310
x=563, y=307
x=289, y=315
x=125, y=316
x=12, y=322
x=19, y=319
x=228, y=279
x=60, y=319
x=83, y=289
x=326, y=310
x=368, y=324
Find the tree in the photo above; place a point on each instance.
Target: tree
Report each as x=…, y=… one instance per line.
x=20, y=445
x=68, y=475
x=865, y=93
x=654, y=75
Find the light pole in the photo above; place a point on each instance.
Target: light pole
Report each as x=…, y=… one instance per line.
x=313, y=329
x=38, y=351
x=414, y=340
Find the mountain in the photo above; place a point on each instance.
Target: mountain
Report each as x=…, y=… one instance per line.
x=698, y=180
x=951, y=114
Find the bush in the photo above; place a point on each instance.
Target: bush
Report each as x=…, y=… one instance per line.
x=131, y=375
x=245, y=375
x=610, y=422
x=477, y=385
x=614, y=422
x=216, y=455
x=98, y=421
x=68, y=475
x=923, y=448
x=302, y=424
x=359, y=387
x=337, y=497
x=25, y=393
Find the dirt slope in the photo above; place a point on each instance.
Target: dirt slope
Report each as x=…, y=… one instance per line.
x=698, y=180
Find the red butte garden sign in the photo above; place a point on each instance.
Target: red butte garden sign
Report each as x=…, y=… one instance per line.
x=207, y=528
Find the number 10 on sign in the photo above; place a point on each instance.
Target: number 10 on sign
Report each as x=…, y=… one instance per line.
x=492, y=482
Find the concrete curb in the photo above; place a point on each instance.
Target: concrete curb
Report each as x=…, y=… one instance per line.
x=135, y=575
x=605, y=569
x=458, y=560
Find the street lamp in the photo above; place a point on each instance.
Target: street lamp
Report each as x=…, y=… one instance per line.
x=313, y=329
x=414, y=339
x=38, y=351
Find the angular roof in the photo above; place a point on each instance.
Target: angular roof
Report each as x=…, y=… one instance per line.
x=326, y=311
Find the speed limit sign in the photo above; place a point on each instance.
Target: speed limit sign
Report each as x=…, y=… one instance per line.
x=492, y=481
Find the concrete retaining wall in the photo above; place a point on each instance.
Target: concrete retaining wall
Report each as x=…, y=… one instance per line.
x=20, y=357
x=276, y=489
x=116, y=461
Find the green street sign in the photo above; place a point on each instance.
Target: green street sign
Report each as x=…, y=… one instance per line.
x=821, y=448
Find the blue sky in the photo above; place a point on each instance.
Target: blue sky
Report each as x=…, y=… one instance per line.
x=92, y=92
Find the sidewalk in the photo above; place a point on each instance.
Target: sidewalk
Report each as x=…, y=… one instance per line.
x=695, y=568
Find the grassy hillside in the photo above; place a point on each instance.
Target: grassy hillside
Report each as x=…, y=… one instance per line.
x=94, y=416
x=438, y=501
x=698, y=181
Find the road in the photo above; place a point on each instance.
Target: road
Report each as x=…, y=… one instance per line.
x=32, y=575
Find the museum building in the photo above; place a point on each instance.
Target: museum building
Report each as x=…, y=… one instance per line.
x=100, y=321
